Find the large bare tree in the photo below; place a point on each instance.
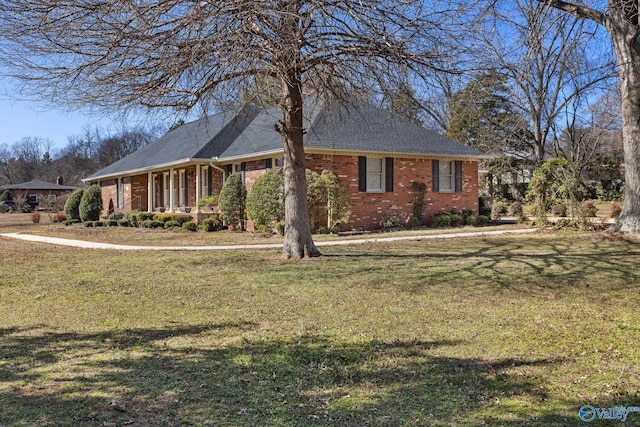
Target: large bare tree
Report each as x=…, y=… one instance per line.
x=187, y=54
x=544, y=55
x=620, y=19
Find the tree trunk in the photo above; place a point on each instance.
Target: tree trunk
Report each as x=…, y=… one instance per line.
x=298, y=242
x=628, y=58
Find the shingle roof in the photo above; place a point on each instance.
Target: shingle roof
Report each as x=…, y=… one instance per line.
x=250, y=131
x=36, y=185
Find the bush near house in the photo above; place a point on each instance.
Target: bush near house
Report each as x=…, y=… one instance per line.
x=91, y=204
x=265, y=201
x=72, y=206
x=232, y=201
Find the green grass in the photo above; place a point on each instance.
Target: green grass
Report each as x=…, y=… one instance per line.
x=508, y=331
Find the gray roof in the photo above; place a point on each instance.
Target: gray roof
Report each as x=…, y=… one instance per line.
x=37, y=185
x=249, y=132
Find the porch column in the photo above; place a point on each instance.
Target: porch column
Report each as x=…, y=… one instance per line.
x=149, y=192
x=198, y=179
x=172, y=183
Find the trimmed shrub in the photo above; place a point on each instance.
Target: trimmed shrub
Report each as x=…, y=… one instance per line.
x=589, y=209
x=232, y=201
x=190, y=226
x=144, y=216
x=89, y=224
x=478, y=221
x=393, y=220
x=418, y=189
x=280, y=228
x=59, y=217
x=329, y=203
x=112, y=223
x=124, y=223
x=91, y=204
x=151, y=223
x=265, y=201
x=559, y=210
x=442, y=220
x=72, y=205
x=210, y=202
x=456, y=220
x=212, y=223
x=116, y=216
x=498, y=209
x=35, y=217
x=170, y=224
x=132, y=218
x=414, y=222
x=182, y=218
x=616, y=210
x=566, y=224
x=515, y=209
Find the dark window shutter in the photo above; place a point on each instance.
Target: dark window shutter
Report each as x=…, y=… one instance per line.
x=388, y=174
x=229, y=169
x=458, y=176
x=362, y=173
x=435, y=176
x=267, y=164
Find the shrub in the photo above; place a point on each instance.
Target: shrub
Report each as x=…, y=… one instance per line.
x=170, y=224
x=116, y=216
x=280, y=228
x=89, y=224
x=328, y=230
x=329, y=203
x=112, y=223
x=182, y=218
x=442, y=220
x=5, y=196
x=212, y=223
x=566, y=224
x=72, y=205
x=35, y=217
x=132, y=218
x=144, y=216
x=515, y=209
x=265, y=201
x=209, y=202
x=232, y=201
x=559, y=210
x=163, y=217
x=393, y=220
x=456, y=220
x=498, y=209
x=478, y=221
x=151, y=223
x=616, y=210
x=91, y=204
x=59, y=217
x=414, y=222
x=589, y=209
x=190, y=226
x=418, y=189
x=124, y=223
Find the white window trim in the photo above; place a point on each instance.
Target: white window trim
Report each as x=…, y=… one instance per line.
x=380, y=189
x=181, y=187
x=205, y=178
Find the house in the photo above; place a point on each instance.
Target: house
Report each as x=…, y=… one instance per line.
x=375, y=154
x=38, y=193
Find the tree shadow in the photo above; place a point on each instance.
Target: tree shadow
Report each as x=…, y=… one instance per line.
x=554, y=266
x=173, y=377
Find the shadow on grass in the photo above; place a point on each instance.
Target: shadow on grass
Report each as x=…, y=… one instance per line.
x=553, y=264
x=176, y=376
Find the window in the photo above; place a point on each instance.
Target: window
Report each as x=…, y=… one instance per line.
x=166, y=185
x=205, y=178
x=279, y=162
x=375, y=174
x=447, y=176
x=120, y=190
x=182, y=201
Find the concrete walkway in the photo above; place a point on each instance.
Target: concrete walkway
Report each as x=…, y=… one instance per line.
x=95, y=245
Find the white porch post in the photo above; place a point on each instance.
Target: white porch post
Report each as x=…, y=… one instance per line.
x=172, y=184
x=198, y=179
x=149, y=192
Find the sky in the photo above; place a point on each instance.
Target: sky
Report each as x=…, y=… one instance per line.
x=19, y=119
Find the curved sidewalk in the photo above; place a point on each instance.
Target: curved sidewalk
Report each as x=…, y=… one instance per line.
x=96, y=245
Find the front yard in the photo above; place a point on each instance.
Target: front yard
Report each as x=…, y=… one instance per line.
x=517, y=330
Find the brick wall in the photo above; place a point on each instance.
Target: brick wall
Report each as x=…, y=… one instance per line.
x=109, y=195
x=368, y=209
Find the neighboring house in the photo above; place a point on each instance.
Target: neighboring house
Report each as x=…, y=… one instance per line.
x=38, y=193
x=375, y=154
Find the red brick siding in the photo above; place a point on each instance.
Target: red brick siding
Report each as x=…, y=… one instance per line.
x=135, y=196
x=368, y=209
x=109, y=195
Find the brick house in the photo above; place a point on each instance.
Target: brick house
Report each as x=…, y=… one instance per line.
x=37, y=193
x=375, y=154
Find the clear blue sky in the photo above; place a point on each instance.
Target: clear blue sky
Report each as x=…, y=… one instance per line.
x=19, y=119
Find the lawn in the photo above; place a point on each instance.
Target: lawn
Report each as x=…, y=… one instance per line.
x=508, y=331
